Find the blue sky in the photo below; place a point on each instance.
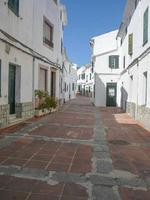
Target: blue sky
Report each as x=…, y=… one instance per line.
x=88, y=18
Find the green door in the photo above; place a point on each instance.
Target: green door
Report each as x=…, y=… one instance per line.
x=11, y=88
x=111, y=94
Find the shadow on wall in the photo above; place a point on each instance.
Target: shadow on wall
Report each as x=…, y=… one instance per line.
x=124, y=98
x=100, y=92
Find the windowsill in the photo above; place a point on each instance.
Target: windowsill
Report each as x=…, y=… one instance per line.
x=13, y=10
x=145, y=43
x=49, y=47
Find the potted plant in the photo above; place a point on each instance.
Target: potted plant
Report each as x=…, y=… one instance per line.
x=44, y=103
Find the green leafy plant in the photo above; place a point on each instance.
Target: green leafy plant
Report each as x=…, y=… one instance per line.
x=50, y=102
x=43, y=100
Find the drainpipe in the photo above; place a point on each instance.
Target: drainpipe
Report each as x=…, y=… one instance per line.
x=33, y=72
x=33, y=63
x=137, y=97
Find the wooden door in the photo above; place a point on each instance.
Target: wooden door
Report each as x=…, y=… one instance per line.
x=11, y=88
x=111, y=95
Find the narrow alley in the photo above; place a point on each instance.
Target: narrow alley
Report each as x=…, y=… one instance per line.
x=78, y=153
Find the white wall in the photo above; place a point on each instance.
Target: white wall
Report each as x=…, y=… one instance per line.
x=105, y=43
x=28, y=29
x=135, y=88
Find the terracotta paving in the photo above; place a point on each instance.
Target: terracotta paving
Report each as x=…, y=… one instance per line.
x=27, y=152
x=129, y=144
x=78, y=153
x=64, y=132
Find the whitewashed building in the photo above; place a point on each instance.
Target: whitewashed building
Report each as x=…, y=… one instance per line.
x=31, y=40
x=86, y=80
x=69, y=78
x=81, y=80
x=124, y=80
x=105, y=58
x=134, y=34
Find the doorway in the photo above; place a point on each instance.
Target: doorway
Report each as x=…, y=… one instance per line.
x=12, y=88
x=111, y=95
x=53, y=83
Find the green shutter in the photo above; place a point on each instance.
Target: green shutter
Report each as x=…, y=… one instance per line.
x=111, y=62
x=14, y=6
x=114, y=62
x=130, y=44
x=145, y=26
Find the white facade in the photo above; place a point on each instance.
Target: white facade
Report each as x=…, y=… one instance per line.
x=104, y=46
x=86, y=80
x=33, y=59
x=133, y=75
x=69, y=79
x=81, y=80
x=135, y=78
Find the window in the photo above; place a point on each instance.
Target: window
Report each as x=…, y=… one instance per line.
x=72, y=86
x=145, y=88
x=55, y=1
x=14, y=6
x=136, y=2
x=145, y=26
x=65, y=87
x=89, y=89
x=130, y=44
x=0, y=77
x=124, y=62
x=90, y=76
x=48, y=33
x=83, y=76
x=61, y=46
x=43, y=79
x=114, y=62
x=86, y=78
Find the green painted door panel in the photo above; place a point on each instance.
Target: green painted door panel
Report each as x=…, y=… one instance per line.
x=111, y=94
x=11, y=88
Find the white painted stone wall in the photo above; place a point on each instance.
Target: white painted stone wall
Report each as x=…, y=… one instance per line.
x=81, y=82
x=69, y=78
x=104, y=46
x=135, y=94
x=28, y=29
x=129, y=77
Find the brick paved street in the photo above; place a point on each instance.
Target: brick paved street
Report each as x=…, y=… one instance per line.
x=79, y=153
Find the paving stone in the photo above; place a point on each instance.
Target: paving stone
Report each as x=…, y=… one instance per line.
x=104, y=166
x=101, y=148
x=131, y=182
x=70, y=177
x=70, y=150
x=104, y=193
x=102, y=155
x=102, y=180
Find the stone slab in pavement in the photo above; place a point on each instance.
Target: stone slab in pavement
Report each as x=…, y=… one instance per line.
x=78, y=153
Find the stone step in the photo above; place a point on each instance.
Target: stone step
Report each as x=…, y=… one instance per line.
x=13, y=120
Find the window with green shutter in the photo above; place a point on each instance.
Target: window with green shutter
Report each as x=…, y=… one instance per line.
x=145, y=26
x=114, y=62
x=14, y=6
x=130, y=44
x=0, y=78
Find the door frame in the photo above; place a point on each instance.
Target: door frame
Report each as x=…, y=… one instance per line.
x=111, y=84
x=53, y=83
x=14, y=106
